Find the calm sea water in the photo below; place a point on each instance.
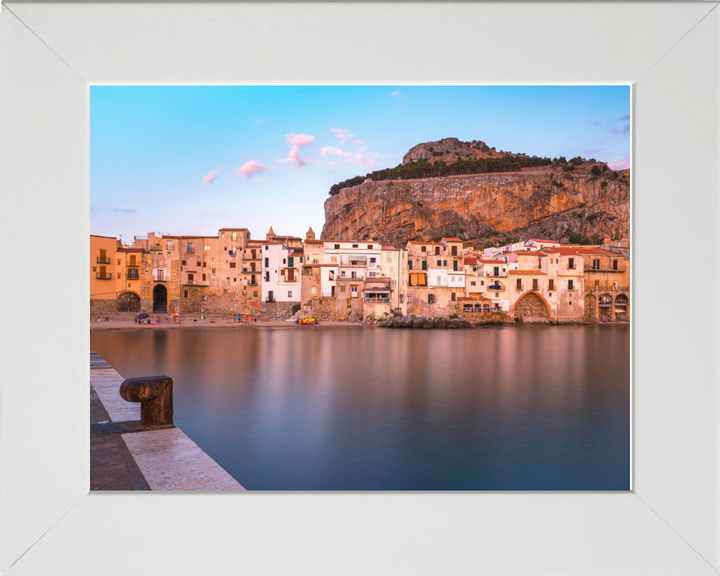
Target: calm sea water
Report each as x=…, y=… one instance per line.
x=346, y=408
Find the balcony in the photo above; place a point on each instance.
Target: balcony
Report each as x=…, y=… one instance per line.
x=100, y=276
x=605, y=269
x=496, y=287
x=101, y=260
x=605, y=287
x=190, y=250
x=160, y=276
x=132, y=274
x=246, y=271
x=384, y=285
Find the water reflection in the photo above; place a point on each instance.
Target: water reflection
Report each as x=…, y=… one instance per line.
x=342, y=408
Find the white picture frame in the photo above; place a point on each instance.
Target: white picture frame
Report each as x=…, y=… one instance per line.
x=49, y=522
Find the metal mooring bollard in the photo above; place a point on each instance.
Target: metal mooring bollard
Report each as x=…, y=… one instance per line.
x=156, y=396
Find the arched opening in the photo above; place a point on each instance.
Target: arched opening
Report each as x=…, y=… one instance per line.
x=160, y=299
x=128, y=302
x=622, y=307
x=590, y=308
x=605, y=305
x=531, y=307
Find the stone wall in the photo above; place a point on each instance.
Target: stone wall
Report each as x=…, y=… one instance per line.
x=103, y=306
x=488, y=317
x=278, y=310
x=232, y=301
x=324, y=309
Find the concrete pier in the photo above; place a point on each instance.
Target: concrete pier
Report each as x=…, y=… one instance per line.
x=143, y=459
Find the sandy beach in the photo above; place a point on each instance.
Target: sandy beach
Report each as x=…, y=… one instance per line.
x=127, y=322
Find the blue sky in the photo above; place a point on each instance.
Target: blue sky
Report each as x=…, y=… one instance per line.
x=190, y=160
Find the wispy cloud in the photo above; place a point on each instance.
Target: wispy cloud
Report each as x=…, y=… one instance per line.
x=620, y=163
x=619, y=130
x=210, y=177
x=297, y=142
x=343, y=135
x=210, y=214
x=362, y=156
x=124, y=210
x=395, y=93
x=626, y=117
x=327, y=150
x=250, y=169
x=359, y=142
x=260, y=121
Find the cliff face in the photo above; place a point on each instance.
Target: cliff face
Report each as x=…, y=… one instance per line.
x=539, y=202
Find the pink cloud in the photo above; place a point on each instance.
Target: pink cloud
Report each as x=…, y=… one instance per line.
x=296, y=143
x=210, y=213
x=343, y=135
x=359, y=142
x=250, y=169
x=332, y=150
x=211, y=176
x=362, y=156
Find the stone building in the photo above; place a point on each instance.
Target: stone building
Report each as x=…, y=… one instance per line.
x=114, y=276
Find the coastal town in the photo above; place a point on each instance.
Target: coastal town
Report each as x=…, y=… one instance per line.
x=233, y=276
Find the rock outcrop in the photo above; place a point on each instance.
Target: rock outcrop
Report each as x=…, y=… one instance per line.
x=535, y=202
x=451, y=150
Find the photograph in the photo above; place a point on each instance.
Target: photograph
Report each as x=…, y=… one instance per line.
x=360, y=288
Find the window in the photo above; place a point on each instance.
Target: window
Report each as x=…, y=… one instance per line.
x=551, y=285
x=119, y=276
x=437, y=250
x=184, y=262
x=289, y=294
x=313, y=290
x=232, y=264
x=439, y=263
x=119, y=262
x=342, y=288
x=349, y=303
x=431, y=298
x=234, y=236
x=191, y=277
x=204, y=265
x=389, y=257
x=169, y=245
x=190, y=247
x=198, y=263
x=445, y=263
x=284, y=261
x=615, y=264
x=571, y=263
x=169, y=253
x=570, y=285
x=424, y=264
x=452, y=297
x=454, y=250
x=291, y=261
x=518, y=284
x=373, y=260
x=535, y=284
x=496, y=271
x=353, y=291
x=213, y=270
x=472, y=282
x=342, y=273
x=132, y=274
x=370, y=247
x=255, y=293
x=596, y=264
x=355, y=245
x=337, y=246
x=266, y=247
x=409, y=264
x=267, y=262
x=423, y=249
x=186, y=293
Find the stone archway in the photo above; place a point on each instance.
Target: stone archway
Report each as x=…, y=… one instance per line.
x=160, y=299
x=605, y=306
x=590, y=308
x=622, y=308
x=128, y=302
x=531, y=307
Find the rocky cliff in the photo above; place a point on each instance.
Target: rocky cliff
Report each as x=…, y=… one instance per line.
x=536, y=202
x=451, y=150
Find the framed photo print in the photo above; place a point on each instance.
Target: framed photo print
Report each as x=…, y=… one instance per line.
x=359, y=288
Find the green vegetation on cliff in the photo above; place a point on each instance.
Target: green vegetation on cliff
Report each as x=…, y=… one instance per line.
x=424, y=169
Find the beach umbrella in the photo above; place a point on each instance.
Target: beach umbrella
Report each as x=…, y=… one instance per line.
x=142, y=316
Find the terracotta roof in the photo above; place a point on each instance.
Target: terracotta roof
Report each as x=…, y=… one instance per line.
x=425, y=243
x=389, y=248
x=300, y=252
x=98, y=236
x=531, y=252
x=565, y=251
x=528, y=272
x=124, y=249
x=491, y=261
x=470, y=260
x=543, y=240
x=452, y=239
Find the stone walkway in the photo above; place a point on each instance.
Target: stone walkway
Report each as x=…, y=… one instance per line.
x=161, y=459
